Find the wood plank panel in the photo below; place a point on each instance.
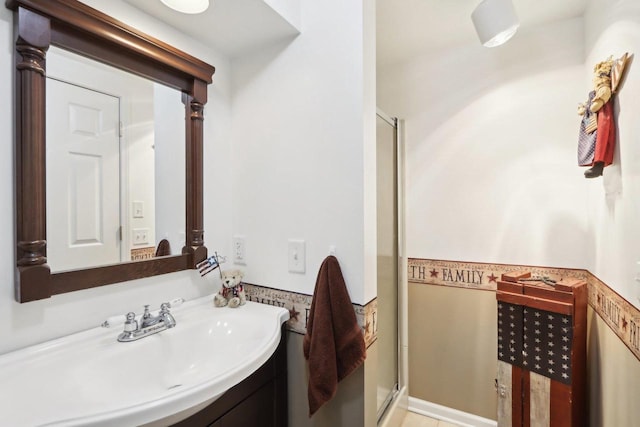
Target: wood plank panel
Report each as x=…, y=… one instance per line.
x=505, y=395
x=540, y=387
x=560, y=397
x=547, y=293
x=534, y=302
x=525, y=404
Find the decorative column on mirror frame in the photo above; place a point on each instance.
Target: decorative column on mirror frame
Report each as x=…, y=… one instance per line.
x=31, y=46
x=194, y=106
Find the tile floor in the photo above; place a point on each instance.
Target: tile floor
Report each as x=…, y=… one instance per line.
x=415, y=420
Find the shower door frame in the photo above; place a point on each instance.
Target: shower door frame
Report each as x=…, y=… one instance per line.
x=401, y=387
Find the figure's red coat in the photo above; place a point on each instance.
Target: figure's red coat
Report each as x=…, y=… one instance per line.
x=606, y=137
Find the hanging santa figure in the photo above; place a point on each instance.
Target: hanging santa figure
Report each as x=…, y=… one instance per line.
x=597, y=138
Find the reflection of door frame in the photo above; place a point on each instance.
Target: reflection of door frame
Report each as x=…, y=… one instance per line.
x=115, y=109
x=125, y=222
x=123, y=163
x=399, y=398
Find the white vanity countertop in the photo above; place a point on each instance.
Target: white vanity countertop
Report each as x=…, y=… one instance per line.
x=90, y=379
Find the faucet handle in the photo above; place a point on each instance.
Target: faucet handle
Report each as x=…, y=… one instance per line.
x=167, y=317
x=146, y=313
x=131, y=324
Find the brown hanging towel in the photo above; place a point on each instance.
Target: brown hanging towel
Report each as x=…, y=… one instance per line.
x=164, y=248
x=333, y=345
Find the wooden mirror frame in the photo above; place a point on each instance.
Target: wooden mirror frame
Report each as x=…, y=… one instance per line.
x=81, y=29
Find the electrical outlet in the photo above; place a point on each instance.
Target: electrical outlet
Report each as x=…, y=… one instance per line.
x=239, y=254
x=140, y=236
x=296, y=256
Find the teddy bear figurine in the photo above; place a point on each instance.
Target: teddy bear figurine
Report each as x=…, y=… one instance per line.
x=232, y=292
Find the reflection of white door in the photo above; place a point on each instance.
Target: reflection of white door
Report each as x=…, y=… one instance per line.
x=83, y=177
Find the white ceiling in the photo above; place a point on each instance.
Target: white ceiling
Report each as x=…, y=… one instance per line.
x=409, y=27
x=232, y=27
x=404, y=27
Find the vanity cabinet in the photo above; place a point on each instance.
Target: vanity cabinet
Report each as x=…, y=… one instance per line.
x=258, y=401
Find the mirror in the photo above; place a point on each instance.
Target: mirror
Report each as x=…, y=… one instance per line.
x=115, y=172
x=75, y=27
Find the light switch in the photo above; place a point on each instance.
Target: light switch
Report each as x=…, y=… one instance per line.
x=138, y=209
x=296, y=256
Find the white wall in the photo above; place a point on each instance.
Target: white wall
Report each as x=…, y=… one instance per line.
x=303, y=160
x=491, y=137
x=7, y=199
x=287, y=9
x=24, y=324
x=612, y=28
x=303, y=119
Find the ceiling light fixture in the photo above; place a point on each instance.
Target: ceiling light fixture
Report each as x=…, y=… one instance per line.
x=187, y=6
x=495, y=22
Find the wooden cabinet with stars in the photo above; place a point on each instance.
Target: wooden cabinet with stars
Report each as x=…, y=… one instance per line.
x=542, y=325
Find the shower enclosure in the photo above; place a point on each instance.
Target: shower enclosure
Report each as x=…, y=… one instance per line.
x=389, y=261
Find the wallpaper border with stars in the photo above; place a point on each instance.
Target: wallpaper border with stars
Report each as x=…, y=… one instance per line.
x=299, y=305
x=618, y=313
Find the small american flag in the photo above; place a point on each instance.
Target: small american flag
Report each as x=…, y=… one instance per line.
x=208, y=265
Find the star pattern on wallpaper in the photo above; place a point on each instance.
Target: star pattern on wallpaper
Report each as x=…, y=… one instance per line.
x=434, y=273
x=493, y=278
x=293, y=313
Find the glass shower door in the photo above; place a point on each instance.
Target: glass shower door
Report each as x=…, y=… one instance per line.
x=387, y=233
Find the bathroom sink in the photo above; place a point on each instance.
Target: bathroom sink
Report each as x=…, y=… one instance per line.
x=90, y=379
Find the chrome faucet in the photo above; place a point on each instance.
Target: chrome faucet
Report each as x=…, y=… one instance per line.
x=148, y=324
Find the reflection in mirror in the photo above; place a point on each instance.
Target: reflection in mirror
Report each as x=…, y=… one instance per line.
x=76, y=27
x=115, y=165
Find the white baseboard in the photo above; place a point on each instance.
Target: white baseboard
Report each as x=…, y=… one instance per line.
x=449, y=415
